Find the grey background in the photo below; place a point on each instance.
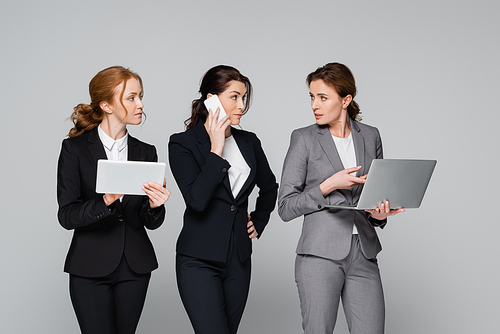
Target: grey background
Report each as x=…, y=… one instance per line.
x=427, y=75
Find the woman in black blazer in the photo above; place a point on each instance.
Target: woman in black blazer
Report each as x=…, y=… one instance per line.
x=216, y=168
x=111, y=257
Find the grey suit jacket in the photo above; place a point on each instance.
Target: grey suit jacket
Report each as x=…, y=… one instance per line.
x=312, y=158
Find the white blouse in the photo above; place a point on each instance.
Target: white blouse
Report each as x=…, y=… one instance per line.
x=239, y=171
x=115, y=149
x=345, y=147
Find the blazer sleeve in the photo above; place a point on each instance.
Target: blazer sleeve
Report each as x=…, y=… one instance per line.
x=73, y=211
x=296, y=198
x=268, y=190
x=197, y=182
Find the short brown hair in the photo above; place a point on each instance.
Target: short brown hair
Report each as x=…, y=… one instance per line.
x=339, y=77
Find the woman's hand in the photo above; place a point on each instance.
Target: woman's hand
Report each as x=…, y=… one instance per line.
x=157, y=194
x=252, y=233
x=111, y=198
x=384, y=210
x=216, y=131
x=342, y=180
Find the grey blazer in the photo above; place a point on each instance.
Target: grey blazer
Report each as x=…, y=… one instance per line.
x=311, y=158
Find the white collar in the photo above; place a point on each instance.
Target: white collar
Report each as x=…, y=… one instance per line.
x=109, y=142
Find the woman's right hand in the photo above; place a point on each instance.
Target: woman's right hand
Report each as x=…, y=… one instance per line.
x=216, y=131
x=342, y=180
x=111, y=198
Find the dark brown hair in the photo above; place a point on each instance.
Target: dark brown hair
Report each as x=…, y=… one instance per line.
x=216, y=81
x=340, y=78
x=102, y=88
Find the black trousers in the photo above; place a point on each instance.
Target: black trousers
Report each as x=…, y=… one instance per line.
x=111, y=304
x=214, y=293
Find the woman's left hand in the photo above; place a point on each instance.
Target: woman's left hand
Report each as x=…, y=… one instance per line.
x=384, y=210
x=157, y=194
x=252, y=233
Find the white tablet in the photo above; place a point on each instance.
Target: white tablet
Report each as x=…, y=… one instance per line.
x=127, y=177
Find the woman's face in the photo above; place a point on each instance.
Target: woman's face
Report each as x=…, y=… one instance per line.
x=233, y=100
x=132, y=100
x=327, y=105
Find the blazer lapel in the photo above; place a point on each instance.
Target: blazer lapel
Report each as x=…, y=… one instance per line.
x=359, y=148
x=133, y=149
x=326, y=141
x=246, y=149
x=96, y=150
x=95, y=146
x=133, y=154
x=202, y=138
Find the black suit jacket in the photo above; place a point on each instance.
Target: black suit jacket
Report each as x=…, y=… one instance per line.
x=103, y=234
x=211, y=210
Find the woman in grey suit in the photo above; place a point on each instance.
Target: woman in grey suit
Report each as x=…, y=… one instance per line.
x=327, y=163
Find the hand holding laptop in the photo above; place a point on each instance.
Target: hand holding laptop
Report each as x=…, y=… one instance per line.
x=384, y=210
x=344, y=180
x=401, y=182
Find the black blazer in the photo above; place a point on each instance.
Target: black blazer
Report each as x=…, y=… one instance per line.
x=211, y=210
x=103, y=235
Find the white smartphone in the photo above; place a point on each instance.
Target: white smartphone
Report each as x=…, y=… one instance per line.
x=212, y=103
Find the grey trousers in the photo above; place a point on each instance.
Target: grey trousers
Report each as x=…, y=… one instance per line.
x=323, y=282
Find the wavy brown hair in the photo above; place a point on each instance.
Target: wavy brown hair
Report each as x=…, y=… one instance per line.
x=215, y=81
x=339, y=77
x=102, y=88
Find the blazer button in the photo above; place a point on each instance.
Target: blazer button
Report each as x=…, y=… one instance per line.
x=319, y=206
x=224, y=170
x=120, y=218
x=233, y=208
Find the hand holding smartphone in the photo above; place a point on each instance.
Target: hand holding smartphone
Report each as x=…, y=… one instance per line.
x=212, y=103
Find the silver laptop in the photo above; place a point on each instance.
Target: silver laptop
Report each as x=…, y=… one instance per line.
x=127, y=177
x=401, y=182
